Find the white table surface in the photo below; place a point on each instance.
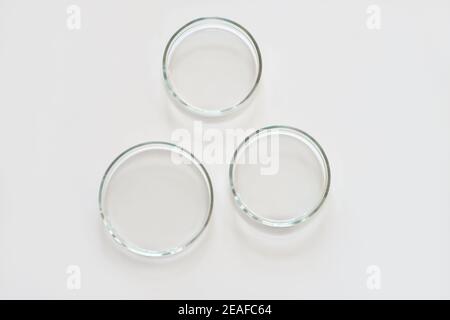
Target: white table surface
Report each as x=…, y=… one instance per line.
x=378, y=100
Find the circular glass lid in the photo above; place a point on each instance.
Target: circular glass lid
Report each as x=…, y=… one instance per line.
x=211, y=66
x=279, y=176
x=155, y=199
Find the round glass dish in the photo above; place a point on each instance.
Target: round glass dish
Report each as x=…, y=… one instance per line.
x=279, y=176
x=211, y=66
x=155, y=199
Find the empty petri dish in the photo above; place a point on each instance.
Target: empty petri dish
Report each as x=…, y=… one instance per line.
x=155, y=199
x=279, y=176
x=211, y=66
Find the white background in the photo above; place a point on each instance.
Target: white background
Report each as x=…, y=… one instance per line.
x=378, y=101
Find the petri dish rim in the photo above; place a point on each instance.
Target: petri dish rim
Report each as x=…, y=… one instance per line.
x=208, y=23
x=307, y=140
x=124, y=157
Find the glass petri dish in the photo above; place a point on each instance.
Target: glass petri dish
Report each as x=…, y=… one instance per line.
x=279, y=176
x=155, y=199
x=211, y=66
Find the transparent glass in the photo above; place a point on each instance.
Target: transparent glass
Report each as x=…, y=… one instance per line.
x=155, y=199
x=211, y=66
x=279, y=176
